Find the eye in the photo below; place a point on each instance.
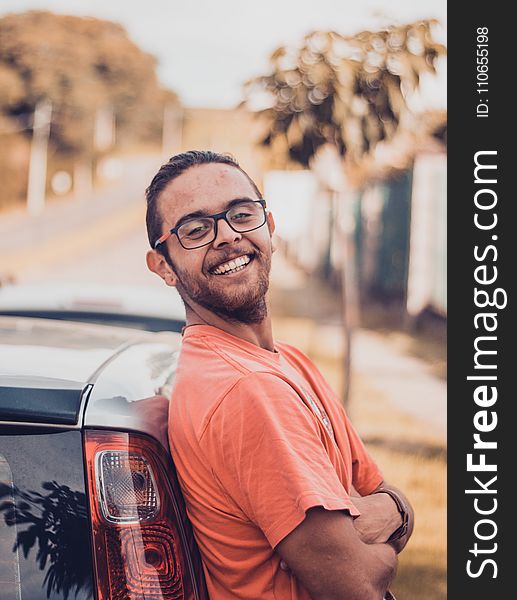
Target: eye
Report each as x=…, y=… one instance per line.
x=240, y=215
x=194, y=230
x=243, y=212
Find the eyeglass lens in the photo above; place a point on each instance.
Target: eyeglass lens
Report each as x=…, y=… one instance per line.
x=241, y=217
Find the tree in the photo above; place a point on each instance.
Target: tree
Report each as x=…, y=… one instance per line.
x=347, y=91
x=81, y=65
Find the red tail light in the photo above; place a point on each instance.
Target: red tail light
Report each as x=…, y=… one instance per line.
x=138, y=538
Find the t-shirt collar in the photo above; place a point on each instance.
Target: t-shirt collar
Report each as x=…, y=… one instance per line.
x=200, y=330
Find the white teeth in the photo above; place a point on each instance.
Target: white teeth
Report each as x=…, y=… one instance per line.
x=233, y=265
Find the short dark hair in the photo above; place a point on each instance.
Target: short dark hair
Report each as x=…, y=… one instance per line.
x=173, y=168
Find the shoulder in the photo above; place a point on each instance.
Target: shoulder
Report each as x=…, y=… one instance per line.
x=260, y=399
x=203, y=378
x=213, y=382
x=295, y=355
x=302, y=363
x=209, y=370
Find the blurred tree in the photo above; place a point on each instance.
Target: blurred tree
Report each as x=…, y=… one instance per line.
x=82, y=65
x=347, y=91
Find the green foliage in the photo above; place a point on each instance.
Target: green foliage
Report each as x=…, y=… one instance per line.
x=81, y=65
x=346, y=91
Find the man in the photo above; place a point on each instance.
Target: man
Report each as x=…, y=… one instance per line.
x=278, y=485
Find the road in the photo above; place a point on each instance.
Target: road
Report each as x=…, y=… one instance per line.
x=98, y=239
x=118, y=259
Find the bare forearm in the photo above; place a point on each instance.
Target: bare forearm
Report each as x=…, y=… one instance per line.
x=331, y=561
x=387, y=560
x=369, y=582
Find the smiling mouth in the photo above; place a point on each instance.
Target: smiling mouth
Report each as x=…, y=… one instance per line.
x=232, y=266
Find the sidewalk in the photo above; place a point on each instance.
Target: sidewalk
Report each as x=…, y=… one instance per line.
x=407, y=382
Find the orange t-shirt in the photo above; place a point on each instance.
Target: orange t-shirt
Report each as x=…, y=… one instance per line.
x=258, y=438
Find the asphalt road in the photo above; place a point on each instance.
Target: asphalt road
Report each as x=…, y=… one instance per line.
x=99, y=239
x=116, y=259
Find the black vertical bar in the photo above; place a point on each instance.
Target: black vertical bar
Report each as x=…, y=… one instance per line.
x=481, y=520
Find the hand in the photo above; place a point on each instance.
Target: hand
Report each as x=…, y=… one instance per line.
x=378, y=519
x=399, y=544
x=153, y=411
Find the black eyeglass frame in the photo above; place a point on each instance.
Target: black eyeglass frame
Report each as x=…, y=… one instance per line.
x=216, y=218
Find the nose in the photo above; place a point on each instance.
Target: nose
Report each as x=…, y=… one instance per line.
x=225, y=234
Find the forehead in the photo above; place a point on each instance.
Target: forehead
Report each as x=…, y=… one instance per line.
x=206, y=187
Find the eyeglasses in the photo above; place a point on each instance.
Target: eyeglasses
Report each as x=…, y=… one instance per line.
x=200, y=231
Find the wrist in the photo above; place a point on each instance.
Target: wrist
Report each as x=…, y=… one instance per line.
x=403, y=512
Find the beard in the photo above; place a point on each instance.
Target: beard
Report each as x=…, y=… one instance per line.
x=239, y=302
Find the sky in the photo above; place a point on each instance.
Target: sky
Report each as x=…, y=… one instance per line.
x=207, y=49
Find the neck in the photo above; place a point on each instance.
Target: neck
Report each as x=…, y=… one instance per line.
x=260, y=334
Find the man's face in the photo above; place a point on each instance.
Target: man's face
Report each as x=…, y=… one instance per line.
x=235, y=295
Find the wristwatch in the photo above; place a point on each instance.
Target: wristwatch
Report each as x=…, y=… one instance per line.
x=403, y=510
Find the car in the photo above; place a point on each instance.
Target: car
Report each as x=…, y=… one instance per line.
x=142, y=307
x=90, y=504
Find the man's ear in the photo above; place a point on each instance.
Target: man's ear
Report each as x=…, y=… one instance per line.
x=271, y=226
x=270, y=222
x=157, y=264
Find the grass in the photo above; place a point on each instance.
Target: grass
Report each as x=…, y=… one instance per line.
x=413, y=459
x=422, y=565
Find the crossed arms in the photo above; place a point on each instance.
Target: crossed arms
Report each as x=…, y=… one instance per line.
x=335, y=556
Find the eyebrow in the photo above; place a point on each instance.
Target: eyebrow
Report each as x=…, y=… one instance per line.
x=205, y=213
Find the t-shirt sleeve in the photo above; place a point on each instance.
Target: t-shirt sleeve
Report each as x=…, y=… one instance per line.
x=264, y=447
x=366, y=475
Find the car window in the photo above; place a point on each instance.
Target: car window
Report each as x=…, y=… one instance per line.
x=44, y=536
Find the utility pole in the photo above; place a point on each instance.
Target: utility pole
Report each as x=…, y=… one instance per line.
x=38, y=158
x=104, y=128
x=172, y=129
